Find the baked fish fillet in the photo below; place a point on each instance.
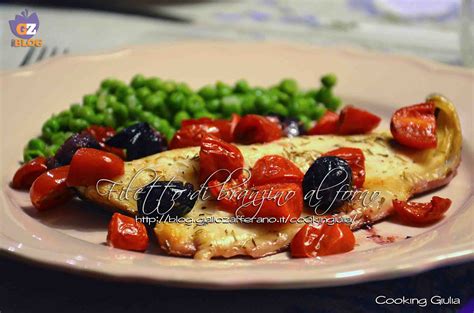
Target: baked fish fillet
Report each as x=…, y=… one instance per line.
x=391, y=170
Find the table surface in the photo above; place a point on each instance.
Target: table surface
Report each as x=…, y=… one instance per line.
x=430, y=31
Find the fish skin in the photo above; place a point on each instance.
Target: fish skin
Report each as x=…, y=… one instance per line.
x=397, y=172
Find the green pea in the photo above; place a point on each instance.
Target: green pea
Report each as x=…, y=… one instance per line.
x=52, y=149
x=101, y=102
x=138, y=81
x=97, y=119
x=75, y=108
x=164, y=112
x=248, y=104
x=78, y=124
x=334, y=103
x=109, y=83
x=258, y=91
x=195, y=103
x=184, y=88
x=130, y=123
x=223, y=89
x=213, y=105
x=29, y=155
x=329, y=80
x=204, y=113
x=51, y=126
x=169, y=133
x=110, y=121
x=119, y=129
x=143, y=92
x=131, y=100
x=305, y=120
x=289, y=86
x=177, y=101
x=279, y=109
x=169, y=86
x=208, y=92
x=37, y=144
x=120, y=111
x=242, y=86
x=153, y=101
x=85, y=113
x=180, y=117
x=90, y=100
x=124, y=92
x=134, y=111
x=324, y=95
x=58, y=138
x=110, y=99
x=147, y=117
x=317, y=112
x=263, y=103
x=164, y=126
x=312, y=93
x=64, y=118
x=231, y=104
x=154, y=83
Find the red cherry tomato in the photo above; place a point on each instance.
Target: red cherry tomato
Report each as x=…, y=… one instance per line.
x=28, y=172
x=273, y=169
x=126, y=233
x=225, y=198
x=415, y=126
x=354, y=121
x=101, y=134
x=215, y=155
x=227, y=127
x=197, y=121
x=322, y=239
x=191, y=135
x=90, y=165
x=422, y=213
x=50, y=189
x=256, y=129
x=280, y=201
x=356, y=159
x=326, y=125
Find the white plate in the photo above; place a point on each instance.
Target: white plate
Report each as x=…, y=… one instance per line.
x=72, y=237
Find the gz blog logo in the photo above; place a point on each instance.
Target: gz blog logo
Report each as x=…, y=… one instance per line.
x=25, y=26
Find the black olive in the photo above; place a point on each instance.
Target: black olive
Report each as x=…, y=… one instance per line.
x=161, y=199
x=140, y=140
x=326, y=184
x=65, y=153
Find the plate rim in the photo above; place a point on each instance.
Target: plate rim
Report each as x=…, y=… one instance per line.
x=467, y=254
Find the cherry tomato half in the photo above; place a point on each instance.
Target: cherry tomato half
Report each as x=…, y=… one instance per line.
x=273, y=169
x=227, y=201
x=28, y=172
x=227, y=127
x=356, y=160
x=322, y=239
x=126, y=233
x=327, y=124
x=353, y=121
x=218, y=155
x=191, y=135
x=101, y=134
x=422, y=213
x=415, y=126
x=90, y=165
x=257, y=129
x=50, y=189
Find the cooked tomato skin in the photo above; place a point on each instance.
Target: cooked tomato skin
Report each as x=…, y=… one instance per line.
x=356, y=160
x=354, y=121
x=415, y=126
x=216, y=154
x=191, y=135
x=50, y=189
x=28, y=172
x=322, y=239
x=226, y=203
x=101, y=134
x=90, y=165
x=271, y=208
x=327, y=124
x=256, y=129
x=126, y=233
x=273, y=169
x=227, y=127
x=422, y=213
